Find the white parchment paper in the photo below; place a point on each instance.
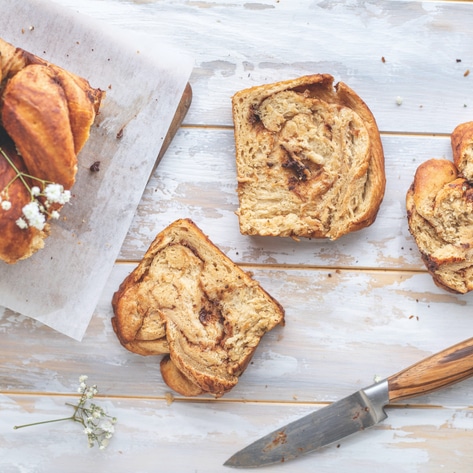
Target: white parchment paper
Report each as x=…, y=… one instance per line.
x=144, y=82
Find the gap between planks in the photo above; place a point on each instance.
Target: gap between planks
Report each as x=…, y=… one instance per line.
x=294, y=403
x=190, y=126
x=299, y=267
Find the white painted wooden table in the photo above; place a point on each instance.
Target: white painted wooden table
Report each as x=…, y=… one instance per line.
x=356, y=308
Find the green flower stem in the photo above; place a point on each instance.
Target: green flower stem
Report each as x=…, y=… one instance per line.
x=43, y=422
x=19, y=175
x=73, y=417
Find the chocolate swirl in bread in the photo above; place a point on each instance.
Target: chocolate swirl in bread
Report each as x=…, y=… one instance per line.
x=189, y=301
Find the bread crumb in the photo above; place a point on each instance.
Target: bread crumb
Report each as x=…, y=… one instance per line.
x=169, y=398
x=467, y=73
x=399, y=100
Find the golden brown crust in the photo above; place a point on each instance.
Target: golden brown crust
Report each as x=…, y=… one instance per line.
x=212, y=314
x=45, y=116
x=12, y=60
x=439, y=207
x=15, y=243
x=137, y=325
x=462, y=147
x=45, y=142
x=176, y=380
x=430, y=177
x=309, y=157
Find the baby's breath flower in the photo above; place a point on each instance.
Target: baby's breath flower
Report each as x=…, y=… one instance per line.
x=6, y=205
x=43, y=195
x=22, y=223
x=66, y=197
x=98, y=426
x=33, y=215
x=90, y=391
x=108, y=427
x=104, y=443
x=56, y=194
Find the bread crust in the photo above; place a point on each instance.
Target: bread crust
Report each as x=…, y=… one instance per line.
x=439, y=207
x=45, y=119
x=309, y=157
x=188, y=300
x=16, y=244
x=176, y=379
x=462, y=147
x=137, y=324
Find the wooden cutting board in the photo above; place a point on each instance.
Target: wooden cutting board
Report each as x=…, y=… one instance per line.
x=176, y=123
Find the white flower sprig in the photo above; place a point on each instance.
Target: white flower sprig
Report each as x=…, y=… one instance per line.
x=98, y=425
x=43, y=196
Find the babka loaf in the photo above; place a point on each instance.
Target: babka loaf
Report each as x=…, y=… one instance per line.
x=45, y=116
x=188, y=301
x=309, y=159
x=440, y=214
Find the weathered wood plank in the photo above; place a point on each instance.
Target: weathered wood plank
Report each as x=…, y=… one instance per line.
x=199, y=437
x=197, y=179
x=241, y=44
x=343, y=328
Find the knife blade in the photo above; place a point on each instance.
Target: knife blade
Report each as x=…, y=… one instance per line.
x=358, y=411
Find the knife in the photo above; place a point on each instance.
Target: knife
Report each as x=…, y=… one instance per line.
x=358, y=411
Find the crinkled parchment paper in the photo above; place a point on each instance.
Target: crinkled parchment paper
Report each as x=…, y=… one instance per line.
x=61, y=284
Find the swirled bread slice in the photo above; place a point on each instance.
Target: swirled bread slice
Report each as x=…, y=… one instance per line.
x=188, y=300
x=309, y=159
x=440, y=214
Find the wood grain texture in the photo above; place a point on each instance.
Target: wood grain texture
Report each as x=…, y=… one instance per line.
x=357, y=309
x=151, y=436
x=197, y=179
x=450, y=366
x=240, y=44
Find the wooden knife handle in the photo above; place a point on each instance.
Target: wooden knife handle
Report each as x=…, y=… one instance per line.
x=438, y=371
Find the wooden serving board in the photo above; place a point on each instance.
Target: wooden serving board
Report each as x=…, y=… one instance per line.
x=176, y=123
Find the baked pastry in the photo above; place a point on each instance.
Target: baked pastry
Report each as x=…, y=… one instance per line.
x=45, y=116
x=440, y=214
x=309, y=159
x=188, y=301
